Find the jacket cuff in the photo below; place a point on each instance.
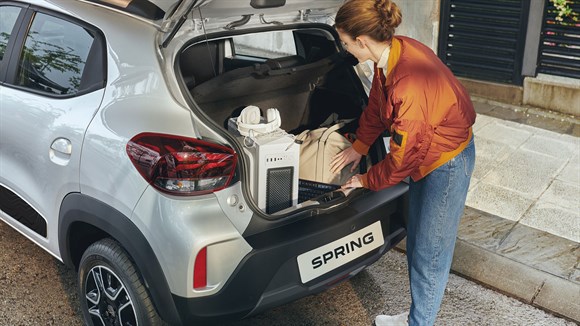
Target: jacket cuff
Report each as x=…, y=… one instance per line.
x=360, y=147
x=364, y=180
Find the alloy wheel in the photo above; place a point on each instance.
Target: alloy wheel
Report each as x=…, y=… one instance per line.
x=107, y=298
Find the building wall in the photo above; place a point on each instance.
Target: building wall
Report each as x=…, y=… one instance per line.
x=420, y=21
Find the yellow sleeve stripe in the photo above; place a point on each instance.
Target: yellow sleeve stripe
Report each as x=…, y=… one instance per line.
x=446, y=156
x=398, y=152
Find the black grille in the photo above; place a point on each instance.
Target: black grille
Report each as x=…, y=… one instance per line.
x=279, y=189
x=484, y=39
x=560, y=42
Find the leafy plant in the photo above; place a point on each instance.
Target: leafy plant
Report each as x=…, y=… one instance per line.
x=563, y=10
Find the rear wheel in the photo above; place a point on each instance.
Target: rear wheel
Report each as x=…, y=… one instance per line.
x=111, y=289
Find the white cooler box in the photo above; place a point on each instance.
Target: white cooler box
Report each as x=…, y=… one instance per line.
x=274, y=164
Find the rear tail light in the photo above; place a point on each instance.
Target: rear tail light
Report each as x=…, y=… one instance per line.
x=200, y=270
x=180, y=165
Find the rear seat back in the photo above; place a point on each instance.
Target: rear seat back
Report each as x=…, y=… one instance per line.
x=287, y=89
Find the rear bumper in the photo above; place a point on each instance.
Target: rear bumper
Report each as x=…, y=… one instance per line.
x=269, y=275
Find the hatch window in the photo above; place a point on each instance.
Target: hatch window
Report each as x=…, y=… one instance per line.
x=269, y=45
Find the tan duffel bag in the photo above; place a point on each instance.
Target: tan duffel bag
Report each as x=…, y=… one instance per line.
x=318, y=148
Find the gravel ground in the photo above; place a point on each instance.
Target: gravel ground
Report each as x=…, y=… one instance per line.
x=384, y=289
x=37, y=289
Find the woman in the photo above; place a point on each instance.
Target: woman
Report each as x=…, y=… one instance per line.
x=429, y=116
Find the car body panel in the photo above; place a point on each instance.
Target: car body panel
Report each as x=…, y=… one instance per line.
x=191, y=225
x=136, y=100
x=28, y=165
x=268, y=276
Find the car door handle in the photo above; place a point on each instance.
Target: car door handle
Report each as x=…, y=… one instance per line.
x=60, y=151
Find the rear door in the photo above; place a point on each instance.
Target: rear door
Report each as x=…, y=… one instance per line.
x=53, y=87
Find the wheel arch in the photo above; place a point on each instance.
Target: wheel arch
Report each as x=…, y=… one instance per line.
x=84, y=220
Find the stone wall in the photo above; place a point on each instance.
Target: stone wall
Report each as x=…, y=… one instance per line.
x=420, y=20
x=553, y=93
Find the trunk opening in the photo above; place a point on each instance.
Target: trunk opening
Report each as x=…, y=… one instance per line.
x=306, y=82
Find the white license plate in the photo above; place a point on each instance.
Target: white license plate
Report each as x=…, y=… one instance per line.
x=323, y=259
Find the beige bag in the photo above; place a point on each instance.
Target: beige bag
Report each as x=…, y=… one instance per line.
x=318, y=148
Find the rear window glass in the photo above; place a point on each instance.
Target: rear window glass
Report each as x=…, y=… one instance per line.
x=54, y=56
x=8, y=16
x=269, y=45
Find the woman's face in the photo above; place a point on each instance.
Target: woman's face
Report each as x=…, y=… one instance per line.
x=354, y=47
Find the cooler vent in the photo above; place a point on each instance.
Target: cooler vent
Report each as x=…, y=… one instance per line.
x=279, y=189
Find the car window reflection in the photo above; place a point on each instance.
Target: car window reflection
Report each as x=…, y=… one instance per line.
x=54, y=56
x=8, y=16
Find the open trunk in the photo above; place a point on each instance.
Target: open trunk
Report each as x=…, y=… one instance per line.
x=300, y=72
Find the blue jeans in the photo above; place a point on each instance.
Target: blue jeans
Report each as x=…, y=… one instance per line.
x=436, y=205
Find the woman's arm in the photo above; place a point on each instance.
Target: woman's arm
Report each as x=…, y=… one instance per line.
x=411, y=134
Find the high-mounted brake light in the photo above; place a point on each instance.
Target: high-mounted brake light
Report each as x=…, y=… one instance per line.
x=180, y=165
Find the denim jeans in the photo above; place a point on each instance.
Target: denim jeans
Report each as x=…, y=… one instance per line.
x=436, y=205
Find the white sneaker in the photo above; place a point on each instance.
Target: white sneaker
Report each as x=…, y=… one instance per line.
x=397, y=320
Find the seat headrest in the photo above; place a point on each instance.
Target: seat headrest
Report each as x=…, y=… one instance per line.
x=285, y=62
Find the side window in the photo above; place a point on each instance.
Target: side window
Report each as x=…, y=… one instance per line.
x=269, y=45
x=8, y=16
x=54, y=56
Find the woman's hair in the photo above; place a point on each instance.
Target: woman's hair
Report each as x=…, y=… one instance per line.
x=375, y=18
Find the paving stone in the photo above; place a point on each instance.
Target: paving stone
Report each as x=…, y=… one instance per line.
x=575, y=275
x=483, y=229
x=573, y=139
x=554, y=219
x=526, y=172
x=541, y=250
x=491, y=149
x=501, y=132
x=554, y=146
x=473, y=182
x=481, y=121
x=498, y=201
x=563, y=194
x=489, y=153
x=538, y=131
x=570, y=173
x=482, y=167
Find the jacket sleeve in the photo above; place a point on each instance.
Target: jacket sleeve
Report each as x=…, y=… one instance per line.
x=411, y=137
x=371, y=123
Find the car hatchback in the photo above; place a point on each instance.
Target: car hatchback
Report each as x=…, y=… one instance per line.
x=153, y=147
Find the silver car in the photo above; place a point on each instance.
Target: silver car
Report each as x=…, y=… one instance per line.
x=122, y=154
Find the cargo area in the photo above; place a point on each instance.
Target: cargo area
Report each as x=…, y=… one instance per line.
x=309, y=82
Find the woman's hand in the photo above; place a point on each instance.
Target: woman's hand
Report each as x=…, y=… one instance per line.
x=344, y=158
x=354, y=182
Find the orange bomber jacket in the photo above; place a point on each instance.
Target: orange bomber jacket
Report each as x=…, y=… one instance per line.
x=424, y=107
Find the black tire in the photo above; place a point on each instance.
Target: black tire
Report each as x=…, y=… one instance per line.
x=111, y=290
